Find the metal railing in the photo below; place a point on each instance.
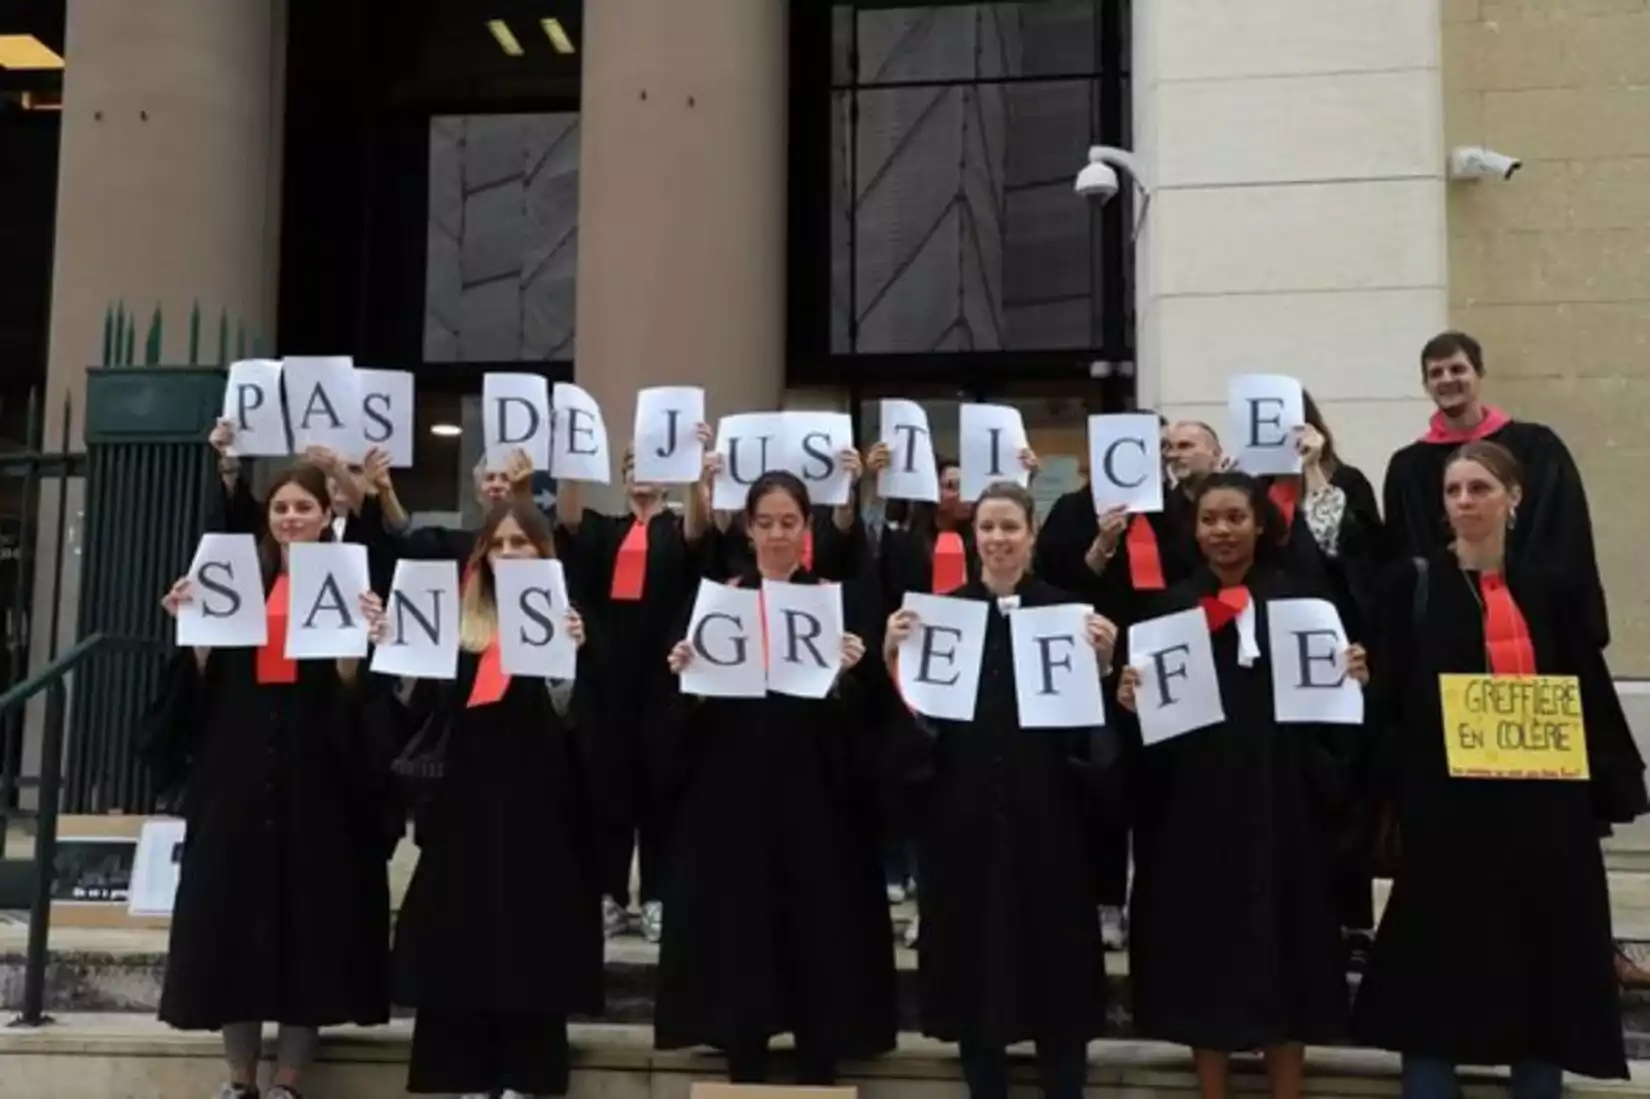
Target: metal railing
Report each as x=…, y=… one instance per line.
x=50, y=680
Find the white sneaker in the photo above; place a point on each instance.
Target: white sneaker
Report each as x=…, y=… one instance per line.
x=653, y=921
x=896, y=893
x=1114, y=928
x=912, y=930
x=615, y=920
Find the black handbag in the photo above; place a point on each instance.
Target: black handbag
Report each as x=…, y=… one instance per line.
x=422, y=764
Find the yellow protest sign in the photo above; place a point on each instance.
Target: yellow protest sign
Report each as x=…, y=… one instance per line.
x=1514, y=727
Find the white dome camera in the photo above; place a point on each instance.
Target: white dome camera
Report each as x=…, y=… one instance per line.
x=1097, y=180
x=1473, y=163
x=1099, y=177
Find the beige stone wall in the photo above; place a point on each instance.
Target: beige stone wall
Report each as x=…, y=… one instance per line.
x=1552, y=270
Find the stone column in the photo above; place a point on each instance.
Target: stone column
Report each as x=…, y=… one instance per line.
x=682, y=200
x=1296, y=152
x=168, y=215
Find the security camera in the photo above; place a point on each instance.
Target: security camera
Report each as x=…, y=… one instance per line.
x=1471, y=162
x=1098, y=179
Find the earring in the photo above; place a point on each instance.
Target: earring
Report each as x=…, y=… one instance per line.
x=1512, y=517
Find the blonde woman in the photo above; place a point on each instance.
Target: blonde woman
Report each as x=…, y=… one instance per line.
x=500, y=937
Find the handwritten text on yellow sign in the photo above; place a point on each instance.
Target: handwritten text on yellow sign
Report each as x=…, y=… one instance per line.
x=1514, y=727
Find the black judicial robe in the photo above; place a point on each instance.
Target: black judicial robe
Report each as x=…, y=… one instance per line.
x=1351, y=579
x=503, y=914
x=1554, y=523
x=631, y=673
x=778, y=918
x=1496, y=943
x=1011, y=945
x=1071, y=527
x=905, y=562
x=1234, y=937
x=282, y=912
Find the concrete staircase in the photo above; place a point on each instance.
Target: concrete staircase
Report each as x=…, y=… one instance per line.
x=103, y=987
x=117, y=1056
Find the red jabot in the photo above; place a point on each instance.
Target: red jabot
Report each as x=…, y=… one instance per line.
x=1286, y=497
x=491, y=682
x=1439, y=429
x=1225, y=607
x=1145, y=562
x=630, y=567
x=273, y=665
x=1506, y=635
x=950, y=562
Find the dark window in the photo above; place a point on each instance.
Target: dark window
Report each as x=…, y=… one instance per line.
x=502, y=238
x=955, y=133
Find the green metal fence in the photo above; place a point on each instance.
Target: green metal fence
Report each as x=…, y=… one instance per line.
x=139, y=496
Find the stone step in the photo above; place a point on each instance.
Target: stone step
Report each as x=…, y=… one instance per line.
x=105, y=970
x=117, y=1056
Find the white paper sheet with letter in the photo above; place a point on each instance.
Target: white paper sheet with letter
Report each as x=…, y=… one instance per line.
x=992, y=436
x=1126, y=462
x=1179, y=691
x=532, y=619
x=811, y=445
x=578, y=443
x=1264, y=416
x=516, y=415
x=911, y=473
x=421, y=617
x=323, y=404
x=804, y=624
x=325, y=584
x=252, y=402
x=226, y=605
x=667, y=446
x=1308, y=651
x=1056, y=673
x=387, y=413
x=939, y=664
x=157, y=868
x=725, y=630
x=751, y=444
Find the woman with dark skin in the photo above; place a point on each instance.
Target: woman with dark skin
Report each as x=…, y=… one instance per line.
x=1235, y=824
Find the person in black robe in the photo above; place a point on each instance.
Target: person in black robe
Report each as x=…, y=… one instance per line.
x=1336, y=541
x=1010, y=946
x=1235, y=939
x=1495, y=947
x=1120, y=564
x=282, y=910
x=638, y=570
x=513, y=481
x=778, y=921
x=499, y=939
x=1554, y=523
x=930, y=549
x=357, y=515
